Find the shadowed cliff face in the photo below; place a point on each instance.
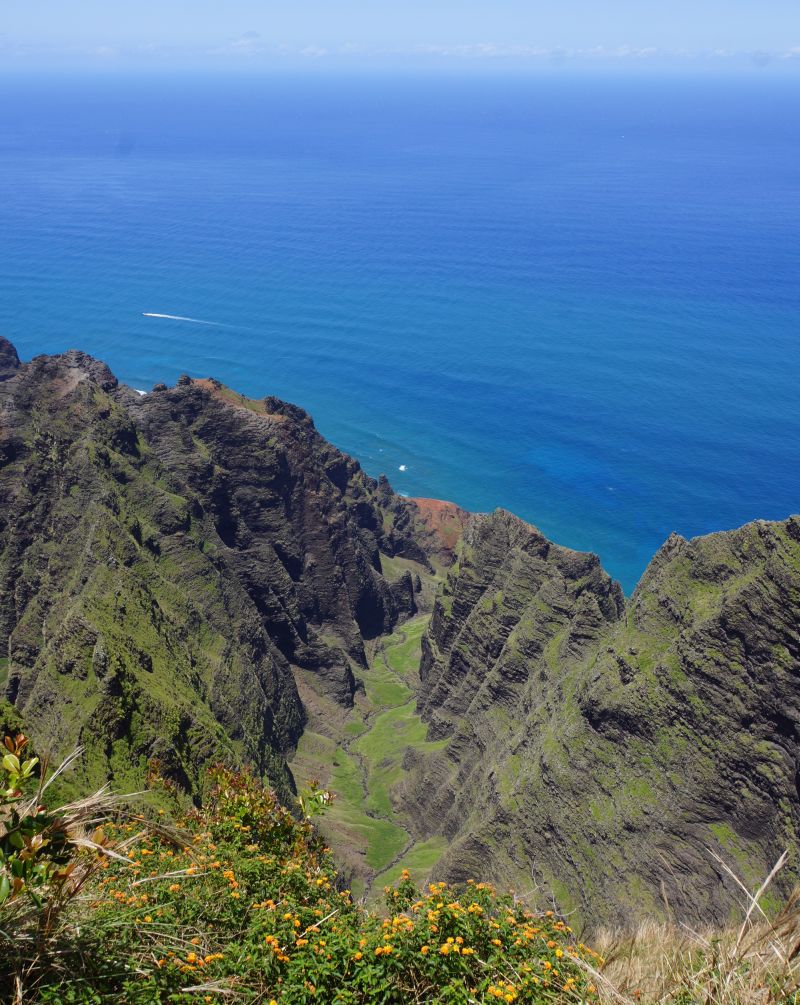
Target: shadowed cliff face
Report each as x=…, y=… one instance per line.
x=603, y=753
x=169, y=562
x=166, y=561
x=9, y=361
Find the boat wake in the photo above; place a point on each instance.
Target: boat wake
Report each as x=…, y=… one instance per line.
x=179, y=317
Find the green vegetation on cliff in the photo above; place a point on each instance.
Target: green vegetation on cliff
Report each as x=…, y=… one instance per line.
x=192, y=575
x=610, y=754
x=169, y=563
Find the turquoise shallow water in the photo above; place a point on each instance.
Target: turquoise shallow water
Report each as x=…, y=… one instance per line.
x=575, y=298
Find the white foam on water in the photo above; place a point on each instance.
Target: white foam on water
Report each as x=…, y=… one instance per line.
x=403, y=467
x=180, y=317
x=141, y=393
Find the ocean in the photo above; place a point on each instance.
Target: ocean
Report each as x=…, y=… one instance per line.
x=577, y=298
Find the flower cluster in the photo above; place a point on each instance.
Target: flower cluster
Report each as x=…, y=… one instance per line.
x=243, y=898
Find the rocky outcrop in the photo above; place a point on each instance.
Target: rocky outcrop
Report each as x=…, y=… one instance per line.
x=608, y=755
x=9, y=361
x=167, y=561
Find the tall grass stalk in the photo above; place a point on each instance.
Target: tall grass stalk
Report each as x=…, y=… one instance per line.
x=755, y=962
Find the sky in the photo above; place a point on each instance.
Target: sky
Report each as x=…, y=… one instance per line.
x=437, y=34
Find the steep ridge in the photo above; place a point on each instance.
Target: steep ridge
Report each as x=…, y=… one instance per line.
x=603, y=754
x=168, y=561
x=190, y=575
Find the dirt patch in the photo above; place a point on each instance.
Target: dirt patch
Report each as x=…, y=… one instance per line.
x=444, y=519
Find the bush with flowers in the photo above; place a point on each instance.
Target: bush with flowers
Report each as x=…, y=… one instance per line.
x=240, y=902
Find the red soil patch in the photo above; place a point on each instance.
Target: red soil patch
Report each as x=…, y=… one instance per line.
x=443, y=519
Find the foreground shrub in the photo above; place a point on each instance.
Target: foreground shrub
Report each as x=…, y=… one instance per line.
x=47, y=857
x=240, y=903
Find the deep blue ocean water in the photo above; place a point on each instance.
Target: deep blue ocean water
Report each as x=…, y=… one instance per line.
x=576, y=298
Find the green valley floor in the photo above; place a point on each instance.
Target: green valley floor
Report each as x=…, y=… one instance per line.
x=359, y=757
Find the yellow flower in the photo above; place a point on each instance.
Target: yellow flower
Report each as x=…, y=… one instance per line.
x=424, y=950
x=358, y=956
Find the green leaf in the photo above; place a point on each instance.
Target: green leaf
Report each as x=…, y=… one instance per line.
x=11, y=763
x=5, y=888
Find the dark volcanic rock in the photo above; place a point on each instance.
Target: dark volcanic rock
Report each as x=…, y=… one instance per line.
x=605, y=751
x=165, y=563
x=9, y=361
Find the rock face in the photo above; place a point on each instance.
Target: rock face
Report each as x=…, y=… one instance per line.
x=603, y=753
x=9, y=361
x=167, y=560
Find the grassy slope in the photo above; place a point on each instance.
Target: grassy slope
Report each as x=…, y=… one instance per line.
x=360, y=760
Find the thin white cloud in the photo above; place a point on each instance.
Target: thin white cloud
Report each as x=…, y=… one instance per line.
x=251, y=48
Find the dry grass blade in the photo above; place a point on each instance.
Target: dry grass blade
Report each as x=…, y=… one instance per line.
x=209, y=989
x=752, y=963
x=755, y=898
x=47, y=780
